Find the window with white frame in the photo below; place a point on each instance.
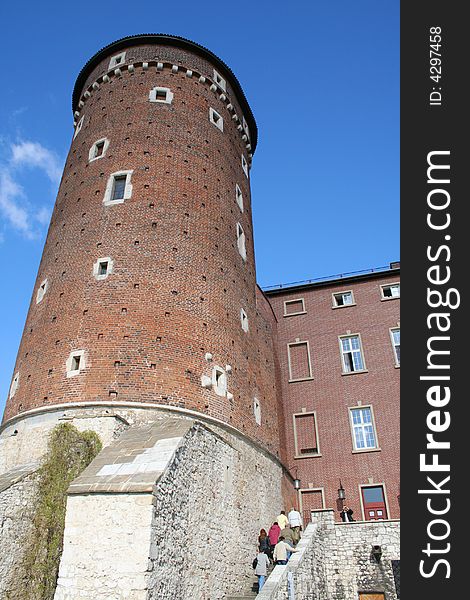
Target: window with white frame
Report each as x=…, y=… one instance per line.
x=75, y=363
x=102, y=268
x=161, y=94
x=363, y=429
x=98, y=150
x=78, y=127
x=220, y=81
x=390, y=291
x=14, y=385
x=257, y=411
x=244, y=320
x=343, y=299
x=239, y=196
x=241, y=241
x=294, y=307
x=351, y=354
x=244, y=165
x=118, y=188
x=117, y=60
x=298, y=358
x=216, y=119
x=41, y=291
x=395, y=337
x=219, y=381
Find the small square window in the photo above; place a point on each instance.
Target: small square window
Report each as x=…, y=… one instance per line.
x=391, y=291
x=118, y=188
x=216, y=119
x=220, y=81
x=75, y=363
x=239, y=196
x=102, y=268
x=241, y=241
x=244, y=165
x=343, y=299
x=98, y=150
x=351, y=354
x=162, y=95
x=116, y=60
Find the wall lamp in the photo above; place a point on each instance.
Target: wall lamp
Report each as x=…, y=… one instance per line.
x=341, y=492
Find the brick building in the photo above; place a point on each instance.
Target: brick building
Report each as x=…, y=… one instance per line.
x=146, y=317
x=339, y=351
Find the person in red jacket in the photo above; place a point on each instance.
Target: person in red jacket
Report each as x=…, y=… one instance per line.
x=274, y=532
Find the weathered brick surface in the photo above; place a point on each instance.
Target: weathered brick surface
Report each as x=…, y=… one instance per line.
x=330, y=393
x=179, y=281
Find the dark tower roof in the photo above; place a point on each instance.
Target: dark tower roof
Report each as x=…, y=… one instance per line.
x=168, y=40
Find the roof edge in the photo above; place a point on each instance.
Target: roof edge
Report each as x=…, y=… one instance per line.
x=168, y=40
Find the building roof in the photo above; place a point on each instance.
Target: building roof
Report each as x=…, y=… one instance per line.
x=163, y=39
x=331, y=280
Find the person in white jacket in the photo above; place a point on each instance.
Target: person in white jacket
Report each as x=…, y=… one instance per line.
x=295, y=522
x=262, y=564
x=280, y=551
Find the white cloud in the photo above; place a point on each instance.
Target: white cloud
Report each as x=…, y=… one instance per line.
x=14, y=205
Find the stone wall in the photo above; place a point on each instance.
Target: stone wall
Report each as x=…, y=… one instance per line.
x=191, y=534
x=335, y=561
x=17, y=495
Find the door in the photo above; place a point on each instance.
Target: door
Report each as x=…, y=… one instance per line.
x=369, y=596
x=374, y=503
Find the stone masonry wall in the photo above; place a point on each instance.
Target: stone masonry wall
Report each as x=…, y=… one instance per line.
x=334, y=561
x=16, y=511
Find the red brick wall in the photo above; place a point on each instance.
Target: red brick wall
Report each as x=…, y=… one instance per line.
x=179, y=281
x=330, y=393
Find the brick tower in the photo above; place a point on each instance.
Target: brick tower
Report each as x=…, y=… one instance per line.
x=146, y=291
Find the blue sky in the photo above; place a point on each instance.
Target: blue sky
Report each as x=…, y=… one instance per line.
x=321, y=76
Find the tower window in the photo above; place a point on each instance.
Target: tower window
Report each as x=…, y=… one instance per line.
x=257, y=411
x=161, y=94
x=119, y=188
x=239, y=196
x=14, y=385
x=98, y=150
x=116, y=60
x=241, y=241
x=41, y=291
x=343, y=299
x=102, y=268
x=219, y=381
x=244, y=165
x=244, y=320
x=216, y=119
x=78, y=127
x=75, y=363
x=351, y=354
x=389, y=292
x=220, y=81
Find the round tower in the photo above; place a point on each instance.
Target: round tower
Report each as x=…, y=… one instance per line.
x=146, y=292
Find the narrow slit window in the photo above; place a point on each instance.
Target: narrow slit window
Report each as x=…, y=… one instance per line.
x=244, y=165
x=75, y=363
x=241, y=241
x=41, y=291
x=351, y=354
x=239, y=197
x=103, y=268
x=14, y=385
x=219, y=381
x=244, y=320
x=257, y=411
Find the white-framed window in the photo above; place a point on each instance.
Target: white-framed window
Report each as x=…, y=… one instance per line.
x=78, y=127
x=244, y=165
x=14, y=385
x=395, y=338
x=341, y=299
x=390, y=291
x=42, y=289
x=216, y=119
x=118, y=188
x=117, y=60
x=239, y=196
x=75, y=363
x=241, y=241
x=98, y=150
x=220, y=81
x=219, y=381
x=294, y=307
x=245, y=127
x=363, y=428
x=257, y=411
x=351, y=353
x=306, y=434
x=102, y=268
x=161, y=94
x=299, y=362
x=244, y=320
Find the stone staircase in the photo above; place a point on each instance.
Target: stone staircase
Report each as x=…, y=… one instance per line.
x=249, y=592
